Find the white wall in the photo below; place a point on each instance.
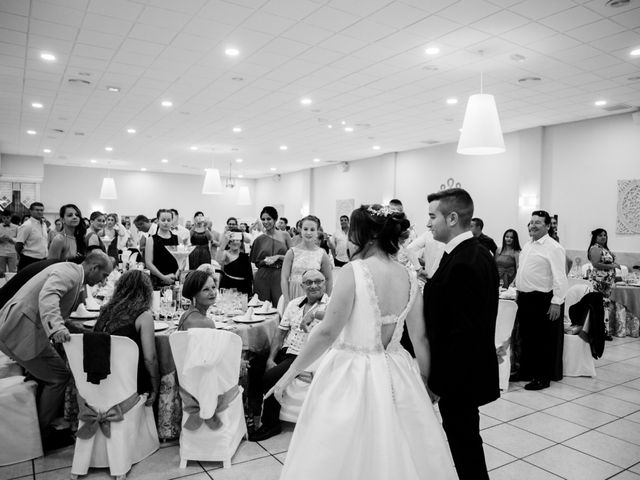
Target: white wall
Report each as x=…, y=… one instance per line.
x=141, y=193
x=583, y=162
x=291, y=192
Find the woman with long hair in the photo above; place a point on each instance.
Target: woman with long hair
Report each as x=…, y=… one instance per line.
x=307, y=255
x=113, y=235
x=267, y=253
x=128, y=314
x=94, y=232
x=236, y=266
x=603, y=271
x=200, y=289
x=162, y=265
x=508, y=256
x=201, y=237
x=367, y=413
x=69, y=244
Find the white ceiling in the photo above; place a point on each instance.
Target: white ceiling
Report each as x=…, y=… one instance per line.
x=360, y=61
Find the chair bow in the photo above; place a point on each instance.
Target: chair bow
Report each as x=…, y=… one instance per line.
x=93, y=419
x=191, y=406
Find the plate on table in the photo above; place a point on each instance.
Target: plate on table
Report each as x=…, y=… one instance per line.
x=157, y=325
x=244, y=319
x=89, y=323
x=254, y=304
x=268, y=312
x=88, y=315
x=234, y=313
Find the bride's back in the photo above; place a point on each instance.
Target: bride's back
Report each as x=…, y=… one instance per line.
x=382, y=298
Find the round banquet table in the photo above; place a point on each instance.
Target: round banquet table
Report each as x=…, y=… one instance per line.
x=256, y=339
x=624, y=318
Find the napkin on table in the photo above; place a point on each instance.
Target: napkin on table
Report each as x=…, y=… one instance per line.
x=266, y=307
x=82, y=311
x=90, y=302
x=254, y=300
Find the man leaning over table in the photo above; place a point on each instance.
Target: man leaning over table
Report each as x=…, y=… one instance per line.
x=541, y=282
x=33, y=237
x=34, y=317
x=301, y=314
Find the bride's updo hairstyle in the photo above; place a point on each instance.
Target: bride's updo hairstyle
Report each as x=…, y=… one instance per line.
x=375, y=223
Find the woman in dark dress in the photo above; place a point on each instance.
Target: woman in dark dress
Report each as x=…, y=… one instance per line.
x=92, y=239
x=236, y=266
x=200, y=237
x=162, y=265
x=128, y=314
x=267, y=253
x=507, y=257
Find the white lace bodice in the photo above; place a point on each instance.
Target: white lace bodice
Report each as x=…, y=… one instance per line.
x=304, y=260
x=362, y=333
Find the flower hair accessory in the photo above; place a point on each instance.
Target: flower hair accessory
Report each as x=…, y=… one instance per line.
x=381, y=212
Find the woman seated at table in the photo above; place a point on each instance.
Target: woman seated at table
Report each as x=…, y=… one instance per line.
x=128, y=314
x=236, y=266
x=162, y=265
x=96, y=225
x=507, y=257
x=200, y=289
x=69, y=243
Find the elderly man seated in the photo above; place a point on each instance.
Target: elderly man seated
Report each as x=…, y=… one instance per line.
x=300, y=315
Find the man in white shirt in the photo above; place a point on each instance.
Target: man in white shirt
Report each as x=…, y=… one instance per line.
x=541, y=282
x=300, y=315
x=339, y=243
x=429, y=252
x=32, y=243
x=184, y=236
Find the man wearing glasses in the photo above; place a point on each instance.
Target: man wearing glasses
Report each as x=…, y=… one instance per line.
x=541, y=282
x=300, y=316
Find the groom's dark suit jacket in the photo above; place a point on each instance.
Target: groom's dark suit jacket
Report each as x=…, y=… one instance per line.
x=460, y=308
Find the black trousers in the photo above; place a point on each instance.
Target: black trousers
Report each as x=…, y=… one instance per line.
x=461, y=423
x=542, y=339
x=271, y=407
x=24, y=260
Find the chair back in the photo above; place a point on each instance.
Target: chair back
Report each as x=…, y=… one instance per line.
x=586, y=266
x=226, y=370
x=507, y=310
x=574, y=295
x=119, y=384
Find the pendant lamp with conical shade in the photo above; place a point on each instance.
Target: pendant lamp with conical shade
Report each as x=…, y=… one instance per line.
x=212, y=184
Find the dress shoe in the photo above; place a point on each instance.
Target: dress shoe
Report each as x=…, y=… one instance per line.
x=516, y=377
x=536, y=385
x=265, y=432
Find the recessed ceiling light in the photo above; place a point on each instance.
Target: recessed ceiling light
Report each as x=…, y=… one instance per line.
x=329, y=126
x=343, y=122
x=635, y=52
x=273, y=169
x=239, y=160
x=37, y=105
x=164, y=160
x=376, y=147
x=48, y=57
x=348, y=129
x=232, y=52
x=166, y=103
x=109, y=149
x=93, y=161
x=529, y=79
x=237, y=79
x=113, y=89
x=131, y=130
x=432, y=50
x=600, y=103
x=143, y=169
x=31, y=132
x=283, y=147
x=516, y=57
x=316, y=160
x=193, y=148
x=237, y=129
x=46, y=150
x=452, y=101
x=306, y=101
x=240, y=175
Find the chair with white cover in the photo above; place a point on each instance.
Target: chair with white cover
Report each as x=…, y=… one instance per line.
x=585, y=268
x=19, y=430
x=295, y=393
x=208, y=366
x=507, y=310
x=577, y=360
x=117, y=429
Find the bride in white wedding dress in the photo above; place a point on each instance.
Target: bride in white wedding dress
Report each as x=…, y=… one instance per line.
x=367, y=414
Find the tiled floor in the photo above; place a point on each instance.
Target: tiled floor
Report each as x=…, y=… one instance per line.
x=580, y=428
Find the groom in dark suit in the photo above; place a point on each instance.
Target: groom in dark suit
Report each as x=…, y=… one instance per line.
x=460, y=308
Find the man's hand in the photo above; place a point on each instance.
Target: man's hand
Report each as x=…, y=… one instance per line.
x=422, y=275
x=271, y=363
x=151, y=398
x=554, y=312
x=61, y=336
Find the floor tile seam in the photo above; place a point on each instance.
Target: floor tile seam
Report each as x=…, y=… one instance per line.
x=524, y=459
x=515, y=459
x=629, y=386
x=33, y=468
x=268, y=454
x=277, y=459
x=592, y=456
x=531, y=433
x=602, y=411
x=613, y=436
x=186, y=476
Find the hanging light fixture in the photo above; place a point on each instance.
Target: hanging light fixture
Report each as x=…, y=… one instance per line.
x=481, y=132
x=108, y=190
x=212, y=184
x=230, y=181
x=244, y=196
